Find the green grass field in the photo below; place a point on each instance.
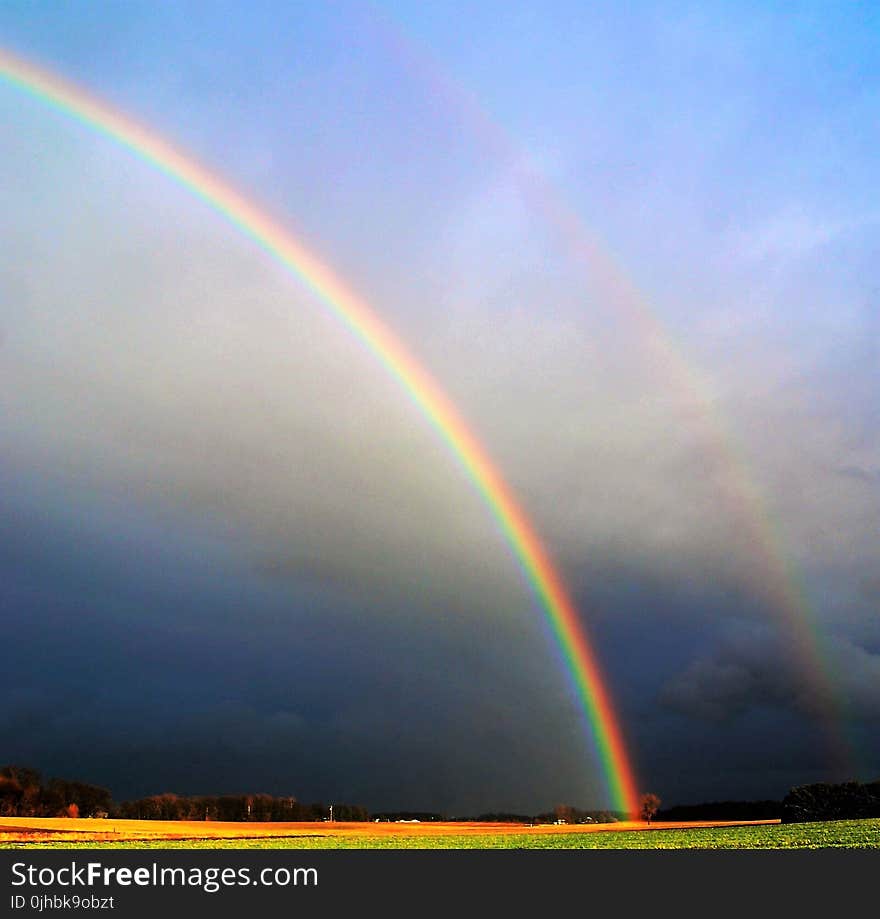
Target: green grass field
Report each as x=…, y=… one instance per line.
x=850, y=834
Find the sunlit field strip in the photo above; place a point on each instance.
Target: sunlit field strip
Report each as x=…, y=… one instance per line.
x=852, y=834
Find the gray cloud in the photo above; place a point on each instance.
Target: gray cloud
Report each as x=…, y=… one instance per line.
x=858, y=670
x=748, y=670
x=751, y=671
x=859, y=473
x=715, y=690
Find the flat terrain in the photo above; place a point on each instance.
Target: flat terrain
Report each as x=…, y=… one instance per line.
x=16, y=832
x=66, y=829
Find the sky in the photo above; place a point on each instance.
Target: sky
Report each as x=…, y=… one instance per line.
x=635, y=244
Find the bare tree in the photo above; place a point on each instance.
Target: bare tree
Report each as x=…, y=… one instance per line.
x=649, y=804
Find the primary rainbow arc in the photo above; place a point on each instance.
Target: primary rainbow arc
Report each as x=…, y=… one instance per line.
x=363, y=322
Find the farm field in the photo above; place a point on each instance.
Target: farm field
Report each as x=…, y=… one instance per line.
x=137, y=834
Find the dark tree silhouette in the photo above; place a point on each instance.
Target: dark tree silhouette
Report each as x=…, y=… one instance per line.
x=649, y=804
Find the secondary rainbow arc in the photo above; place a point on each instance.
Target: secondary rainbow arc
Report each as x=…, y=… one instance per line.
x=423, y=390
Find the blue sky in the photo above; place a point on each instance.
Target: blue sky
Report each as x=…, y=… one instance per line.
x=240, y=556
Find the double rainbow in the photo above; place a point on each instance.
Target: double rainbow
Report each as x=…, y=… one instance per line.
x=436, y=407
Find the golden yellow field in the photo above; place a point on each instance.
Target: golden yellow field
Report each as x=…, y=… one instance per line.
x=66, y=829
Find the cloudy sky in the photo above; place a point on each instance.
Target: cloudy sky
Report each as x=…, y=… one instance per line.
x=638, y=247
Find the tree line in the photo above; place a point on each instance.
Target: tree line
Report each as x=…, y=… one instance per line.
x=825, y=801
x=260, y=808
x=723, y=810
x=25, y=793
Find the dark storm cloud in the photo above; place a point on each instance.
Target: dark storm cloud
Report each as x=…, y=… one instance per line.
x=209, y=676
x=754, y=671
x=741, y=674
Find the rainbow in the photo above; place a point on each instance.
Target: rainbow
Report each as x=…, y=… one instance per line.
x=362, y=322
